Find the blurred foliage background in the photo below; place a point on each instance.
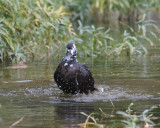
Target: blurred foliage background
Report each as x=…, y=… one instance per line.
x=38, y=29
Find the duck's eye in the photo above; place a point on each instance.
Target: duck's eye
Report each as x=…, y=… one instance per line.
x=69, y=48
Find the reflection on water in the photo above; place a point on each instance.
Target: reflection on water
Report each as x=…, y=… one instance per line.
x=31, y=93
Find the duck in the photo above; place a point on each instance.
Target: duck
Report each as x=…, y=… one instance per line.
x=71, y=76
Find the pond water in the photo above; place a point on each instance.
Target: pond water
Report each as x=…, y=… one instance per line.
x=31, y=95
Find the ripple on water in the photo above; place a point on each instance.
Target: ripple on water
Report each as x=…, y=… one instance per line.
x=105, y=93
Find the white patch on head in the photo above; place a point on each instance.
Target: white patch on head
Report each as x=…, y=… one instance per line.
x=65, y=64
x=73, y=49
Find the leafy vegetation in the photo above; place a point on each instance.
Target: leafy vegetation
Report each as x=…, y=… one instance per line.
x=96, y=41
x=31, y=28
x=136, y=121
x=37, y=29
x=130, y=119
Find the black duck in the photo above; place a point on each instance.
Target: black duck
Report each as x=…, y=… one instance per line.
x=71, y=76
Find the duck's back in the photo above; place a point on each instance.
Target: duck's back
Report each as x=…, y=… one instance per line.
x=74, y=78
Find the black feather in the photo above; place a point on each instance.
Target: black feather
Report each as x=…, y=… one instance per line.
x=69, y=46
x=72, y=77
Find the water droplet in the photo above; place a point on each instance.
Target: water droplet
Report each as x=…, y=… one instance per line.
x=65, y=64
x=71, y=65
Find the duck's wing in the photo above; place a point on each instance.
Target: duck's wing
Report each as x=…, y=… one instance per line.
x=57, y=73
x=85, y=79
x=65, y=77
x=85, y=70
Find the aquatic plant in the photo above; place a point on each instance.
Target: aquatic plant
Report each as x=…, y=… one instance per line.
x=98, y=41
x=79, y=10
x=92, y=41
x=102, y=11
x=88, y=124
x=17, y=122
x=130, y=119
x=134, y=41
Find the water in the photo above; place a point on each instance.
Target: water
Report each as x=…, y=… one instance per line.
x=31, y=94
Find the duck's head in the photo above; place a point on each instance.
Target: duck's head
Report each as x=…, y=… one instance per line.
x=71, y=52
